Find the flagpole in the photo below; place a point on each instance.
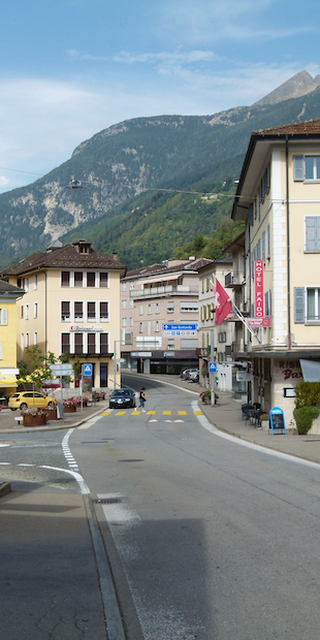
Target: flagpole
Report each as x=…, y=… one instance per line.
x=212, y=373
x=241, y=317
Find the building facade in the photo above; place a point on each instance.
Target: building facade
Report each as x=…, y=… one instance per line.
x=155, y=301
x=71, y=306
x=278, y=198
x=10, y=296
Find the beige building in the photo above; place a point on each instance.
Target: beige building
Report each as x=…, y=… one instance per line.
x=10, y=296
x=278, y=197
x=154, y=299
x=71, y=305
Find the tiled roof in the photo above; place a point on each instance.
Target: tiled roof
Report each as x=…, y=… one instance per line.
x=154, y=269
x=5, y=287
x=64, y=257
x=307, y=127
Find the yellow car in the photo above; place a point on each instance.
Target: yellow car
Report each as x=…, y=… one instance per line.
x=29, y=399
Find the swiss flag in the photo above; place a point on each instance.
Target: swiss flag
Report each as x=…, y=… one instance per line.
x=223, y=304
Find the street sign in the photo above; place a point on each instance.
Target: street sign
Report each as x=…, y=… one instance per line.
x=183, y=330
x=213, y=367
x=61, y=369
x=87, y=370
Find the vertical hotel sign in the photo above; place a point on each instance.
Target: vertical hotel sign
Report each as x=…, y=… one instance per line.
x=258, y=289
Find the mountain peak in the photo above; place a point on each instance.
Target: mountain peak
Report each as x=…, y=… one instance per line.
x=300, y=84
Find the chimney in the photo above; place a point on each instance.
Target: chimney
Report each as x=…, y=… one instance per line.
x=115, y=256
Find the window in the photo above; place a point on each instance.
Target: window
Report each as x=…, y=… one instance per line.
x=267, y=303
x=78, y=311
x=222, y=336
x=104, y=348
x=27, y=340
x=269, y=241
x=141, y=327
x=65, y=312
x=149, y=309
x=35, y=338
x=170, y=343
x=128, y=338
x=104, y=313
x=27, y=284
x=91, y=311
x=35, y=310
x=35, y=283
x=141, y=310
x=65, y=278
x=131, y=303
x=263, y=244
x=131, y=285
x=312, y=233
x=3, y=316
x=124, y=322
x=307, y=304
x=170, y=307
x=131, y=322
x=103, y=279
x=91, y=279
x=78, y=343
x=189, y=306
x=65, y=343
x=27, y=312
x=91, y=343
x=124, y=304
x=306, y=168
x=156, y=325
x=78, y=279
x=124, y=286
x=21, y=311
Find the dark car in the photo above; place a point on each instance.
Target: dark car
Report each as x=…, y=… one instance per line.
x=122, y=398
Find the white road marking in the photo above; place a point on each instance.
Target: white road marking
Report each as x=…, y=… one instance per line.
x=4, y=445
x=90, y=423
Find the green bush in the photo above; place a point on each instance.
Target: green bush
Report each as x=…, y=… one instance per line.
x=307, y=394
x=304, y=417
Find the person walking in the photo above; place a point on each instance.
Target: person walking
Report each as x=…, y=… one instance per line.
x=142, y=399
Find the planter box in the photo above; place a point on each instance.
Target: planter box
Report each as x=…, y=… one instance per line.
x=34, y=420
x=52, y=414
x=69, y=409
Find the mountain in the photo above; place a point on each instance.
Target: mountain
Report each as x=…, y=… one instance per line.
x=299, y=85
x=148, y=184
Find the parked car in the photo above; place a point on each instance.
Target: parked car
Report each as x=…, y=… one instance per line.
x=121, y=398
x=184, y=374
x=193, y=375
x=29, y=399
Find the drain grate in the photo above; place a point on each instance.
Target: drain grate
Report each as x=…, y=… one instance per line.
x=132, y=460
x=107, y=501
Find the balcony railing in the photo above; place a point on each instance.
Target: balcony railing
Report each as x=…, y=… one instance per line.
x=233, y=279
x=158, y=292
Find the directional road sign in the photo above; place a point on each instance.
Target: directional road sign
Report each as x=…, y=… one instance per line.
x=87, y=370
x=61, y=369
x=182, y=330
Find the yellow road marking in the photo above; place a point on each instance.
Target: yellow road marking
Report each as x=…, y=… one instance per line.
x=151, y=413
x=135, y=413
x=106, y=413
x=166, y=413
x=121, y=413
x=197, y=413
x=182, y=413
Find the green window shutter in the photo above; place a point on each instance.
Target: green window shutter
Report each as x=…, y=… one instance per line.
x=298, y=168
x=299, y=313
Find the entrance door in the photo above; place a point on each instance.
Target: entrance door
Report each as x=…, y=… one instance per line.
x=103, y=374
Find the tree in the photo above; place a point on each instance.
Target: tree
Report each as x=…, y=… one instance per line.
x=36, y=369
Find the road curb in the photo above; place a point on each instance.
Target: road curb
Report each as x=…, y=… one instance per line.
x=5, y=487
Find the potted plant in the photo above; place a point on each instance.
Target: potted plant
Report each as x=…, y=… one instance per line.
x=34, y=418
x=52, y=413
x=69, y=407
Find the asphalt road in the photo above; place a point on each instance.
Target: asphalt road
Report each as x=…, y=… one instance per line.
x=212, y=540
x=208, y=537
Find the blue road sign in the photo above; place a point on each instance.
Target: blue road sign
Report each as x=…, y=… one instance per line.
x=169, y=326
x=87, y=370
x=213, y=367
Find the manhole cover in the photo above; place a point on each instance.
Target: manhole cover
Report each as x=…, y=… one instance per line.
x=107, y=501
x=133, y=460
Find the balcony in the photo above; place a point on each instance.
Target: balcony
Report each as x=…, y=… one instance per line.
x=234, y=279
x=165, y=291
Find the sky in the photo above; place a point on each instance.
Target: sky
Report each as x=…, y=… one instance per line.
x=70, y=68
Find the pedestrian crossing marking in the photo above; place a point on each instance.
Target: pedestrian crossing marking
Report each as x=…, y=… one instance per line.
x=150, y=413
x=106, y=413
x=182, y=413
x=166, y=413
x=197, y=413
x=121, y=413
x=135, y=413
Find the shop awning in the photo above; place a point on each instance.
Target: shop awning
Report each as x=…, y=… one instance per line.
x=7, y=380
x=310, y=370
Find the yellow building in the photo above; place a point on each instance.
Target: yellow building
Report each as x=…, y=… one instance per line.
x=9, y=295
x=278, y=197
x=71, y=305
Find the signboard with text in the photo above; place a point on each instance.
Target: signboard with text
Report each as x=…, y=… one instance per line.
x=259, y=322
x=258, y=289
x=181, y=330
